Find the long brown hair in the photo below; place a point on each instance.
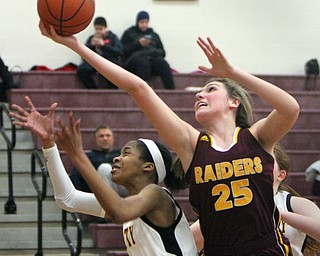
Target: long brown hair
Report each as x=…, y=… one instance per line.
x=312, y=246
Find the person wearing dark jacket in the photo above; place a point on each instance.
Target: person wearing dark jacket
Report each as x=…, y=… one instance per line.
x=143, y=52
x=102, y=159
x=105, y=43
x=6, y=81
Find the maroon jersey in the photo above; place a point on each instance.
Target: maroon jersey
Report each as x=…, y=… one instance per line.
x=231, y=191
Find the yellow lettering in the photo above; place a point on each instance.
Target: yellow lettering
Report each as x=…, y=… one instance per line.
x=258, y=166
x=209, y=174
x=248, y=166
x=238, y=167
x=198, y=174
x=218, y=171
x=226, y=170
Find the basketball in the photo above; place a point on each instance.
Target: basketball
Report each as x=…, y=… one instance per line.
x=68, y=17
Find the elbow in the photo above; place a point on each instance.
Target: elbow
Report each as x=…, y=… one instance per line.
x=118, y=215
x=297, y=111
x=294, y=110
x=116, y=218
x=62, y=205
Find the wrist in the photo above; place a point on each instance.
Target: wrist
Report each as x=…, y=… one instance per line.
x=48, y=143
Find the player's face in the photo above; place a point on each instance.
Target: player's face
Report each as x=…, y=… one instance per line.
x=128, y=165
x=143, y=24
x=212, y=100
x=104, y=139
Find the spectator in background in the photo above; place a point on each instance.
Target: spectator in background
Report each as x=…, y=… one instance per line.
x=106, y=44
x=6, y=81
x=143, y=52
x=313, y=175
x=101, y=158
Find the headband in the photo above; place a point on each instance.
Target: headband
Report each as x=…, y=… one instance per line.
x=157, y=158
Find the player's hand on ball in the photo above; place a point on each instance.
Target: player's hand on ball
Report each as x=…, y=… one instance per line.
x=51, y=33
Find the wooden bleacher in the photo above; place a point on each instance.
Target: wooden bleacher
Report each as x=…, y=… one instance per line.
x=115, y=108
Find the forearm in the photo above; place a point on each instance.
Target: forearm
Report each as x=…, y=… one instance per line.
x=66, y=196
x=114, y=73
x=276, y=97
x=307, y=225
x=103, y=192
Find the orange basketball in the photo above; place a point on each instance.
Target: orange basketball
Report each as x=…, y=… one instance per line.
x=68, y=17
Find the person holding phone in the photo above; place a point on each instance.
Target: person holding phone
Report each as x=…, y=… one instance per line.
x=143, y=52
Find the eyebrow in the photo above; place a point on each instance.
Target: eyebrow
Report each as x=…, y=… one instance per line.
x=209, y=84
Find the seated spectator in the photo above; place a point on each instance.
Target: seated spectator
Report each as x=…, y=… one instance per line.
x=101, y=158
x=143, y=52
x=313, y=175
x=106, y=44
x=7, y=81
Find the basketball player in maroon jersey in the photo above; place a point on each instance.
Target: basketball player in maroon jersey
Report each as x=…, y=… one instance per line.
x=230, y=165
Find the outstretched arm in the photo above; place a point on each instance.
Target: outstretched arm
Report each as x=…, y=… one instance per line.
x=286, y=109
x=66, y=196
x=305, y=216
x=150, y=198
x=177, y=134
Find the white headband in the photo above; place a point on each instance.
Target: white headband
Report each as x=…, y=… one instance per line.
x=157, y=158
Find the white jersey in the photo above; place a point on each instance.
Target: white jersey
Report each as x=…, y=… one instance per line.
x=296, y=238
x=143, y=238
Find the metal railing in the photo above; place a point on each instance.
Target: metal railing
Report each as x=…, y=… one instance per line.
x=10, y=206
x=74, y=250
x=41, y=190
x=36, y=157
x=41, y=193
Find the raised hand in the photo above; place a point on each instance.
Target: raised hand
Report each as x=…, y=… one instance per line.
x=41, y=125
x=69, y=137
x=51, y=33
x=220, y=66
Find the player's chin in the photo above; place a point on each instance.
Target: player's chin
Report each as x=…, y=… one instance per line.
x=200, y=115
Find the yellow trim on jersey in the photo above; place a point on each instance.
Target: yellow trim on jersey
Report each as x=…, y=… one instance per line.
x=280, y=236
x=234, y=139
x=236, y=134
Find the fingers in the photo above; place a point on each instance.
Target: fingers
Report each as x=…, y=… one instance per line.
x=71, y=120
x=43, y=29
x=18, y=117
x=77, y=125
x=204, y=69
x=215, y=49
x=52, y=109
x=52, y=31
x=20, y=110
x=208, y=47
x=29, y=103
x=203, y=46
x=60, y=123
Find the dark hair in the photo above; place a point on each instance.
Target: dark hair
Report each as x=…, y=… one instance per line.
x=283, y=160
x=171, y=181
x=141, y=16
x=103, y=126
x=100, y=21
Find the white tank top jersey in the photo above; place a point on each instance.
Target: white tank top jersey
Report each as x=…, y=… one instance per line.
x=142, y=238
x=296, y=238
